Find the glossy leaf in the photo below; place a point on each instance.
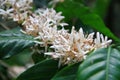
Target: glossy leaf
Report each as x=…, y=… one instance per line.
x=85, y=15
x=41, y=71
x=103, y=64
x=13, y=41
x=67, y=73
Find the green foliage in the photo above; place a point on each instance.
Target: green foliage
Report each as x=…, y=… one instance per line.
x=20, y=59
x=101, y=10
x=85, y=15
x=37, y=57
x=103, y=64
x=99, y=7
x=67, y=73
x=44, y=70
x=3, y=73
x=13, y=42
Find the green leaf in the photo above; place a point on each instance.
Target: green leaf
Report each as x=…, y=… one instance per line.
x=20, y=59
x=38, y=54
x=103, y=64
x=101, y=10
x=73, y=9
x=67, y=73
x=41, y=71
x=37, y=57
x=13, y=41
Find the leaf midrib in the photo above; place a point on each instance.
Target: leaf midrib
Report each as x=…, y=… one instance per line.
x=108, y=60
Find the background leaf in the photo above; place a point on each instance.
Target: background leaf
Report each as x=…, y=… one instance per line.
x=37, y=57
x=3, y=73
x=67, y=73
x=103, y=64
x=85, y=15
x=21, y=59
x=13, y=41
x=101, y=10
x=41, y=71
x=95, y=6
x=38, y=54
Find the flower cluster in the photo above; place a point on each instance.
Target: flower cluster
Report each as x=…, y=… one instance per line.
x=18, y=10
x=73, y=47
x=43, y=25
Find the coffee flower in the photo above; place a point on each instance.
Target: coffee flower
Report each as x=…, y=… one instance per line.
x=76, y=45
x=18, y=10
x=43, y=24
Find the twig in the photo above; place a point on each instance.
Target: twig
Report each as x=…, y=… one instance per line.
x=10, y=71
x=4, y=26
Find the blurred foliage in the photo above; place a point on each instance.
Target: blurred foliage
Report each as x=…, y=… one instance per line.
x=3, y=73
x=7, y=24
x=20, y=59
x=85, y=15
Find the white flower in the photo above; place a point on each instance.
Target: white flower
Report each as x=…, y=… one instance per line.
x=43, y=25
x=76, y=45
x=7, y=12
x=68, y=47
x=100, y=41
x=51, y=16
x=16, y=9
